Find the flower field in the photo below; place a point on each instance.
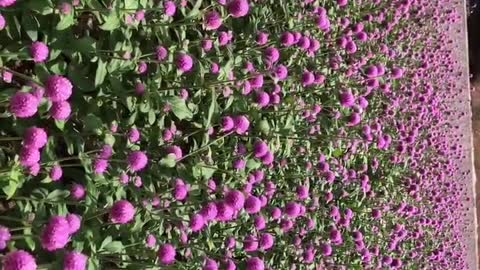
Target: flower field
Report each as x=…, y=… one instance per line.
x=231, y=134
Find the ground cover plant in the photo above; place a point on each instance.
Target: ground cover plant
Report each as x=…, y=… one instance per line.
x=229, y=134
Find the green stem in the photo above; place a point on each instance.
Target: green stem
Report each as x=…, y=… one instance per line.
x=2, y=139
x=205, y=146
x=21, y=75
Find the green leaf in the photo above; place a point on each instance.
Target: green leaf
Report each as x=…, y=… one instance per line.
x=30, y=25
x=253, y=164
x=85, y=45
x=105, y=242
x=112, y=22
x=179, y=108
x=169, y=161
x=195, y=10
x=65, y=22
x=10, y=189
x=114, y=247
x=101, y=72
x=211, y=110
x=92, y=122
x=151, y=117
x=60, y=124
x=43, y=7
x=58, y=195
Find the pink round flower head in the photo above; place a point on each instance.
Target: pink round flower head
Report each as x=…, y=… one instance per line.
x=230, y=265
x=268, y=158
x=74, y=221
x=169, y=8
x=262, y=38
x=75, y=261
x=142, y=67
x=241, y=124
x=166, y=254
x=238, y=8
x=3, y=23
x=207, y=45
x=287, y=39
x=253, y=204
x=292, y=209
x=281, y=72
x=151, y=241
x=161, y=52
x=212, y=20
x=137, y=161
x=342, y=3
x=271, y=55
x=139, y=88
x=235, y=199
x=175, y=150
x=255, y=263
x=239, y=164
x=302, y=192
x=19, y=259
x=209, y=211
x=7, y=3
x=308, y=78
x=351, y=47
x=133, y=135
x=227, y=123
x=262, y=99
x=260, y=149
x=5, y=236
x=58, y=88
x=224, y=212
x=29, y=156
x=56, y=234
x=197, y=222
x=347, y=99
x=23, y=105
x=397, y=73
x=35, y=137
x=60, y=110
x=77, y=192
x=184, y=62
x=56, y=173
x=100, y=166
x=210, y=265
x=39, y=52
x=65, y=8
x=354, y=119
x=180, y=192
x=122, y=212
x=266, y=241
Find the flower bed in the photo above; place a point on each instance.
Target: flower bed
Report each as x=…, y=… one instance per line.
x=230, y=134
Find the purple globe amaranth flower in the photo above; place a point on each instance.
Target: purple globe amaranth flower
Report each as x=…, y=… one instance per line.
x=292, y=209
x=253, y=204
x=58, y=88
x=137, y=160
x=60, y=110
x=39, y=52
x=166, y=254
x=281, y=72
x=29, y=156
x=7, y=3
x=209, y=211
x=354, y=119
x=210, y=264
x=77, y=192
x=161, y=53
x=180, y=192
x=133, y=135
x=74, y=221
x=347, y=99
x=268, y=158
x=197, y=222
x=23, y=105
x=3, y=22
x=142, y=67
x=212, y=20
x=151, y=241
x=255, y=263
x=122, y=212
x=238, y=8
x=262, y=99
x=56, y=173
x=140, y=88
x=287, y=39
x=184, y=62
x=266, y=241
x=169, y=8
x=224, y=212
x=100, y=166
x=262, y=38
x=19, y=259
x=326, y=250
x=227, y=123
x=75, y=261
x=235, y=199
x=56, y=234
x=302, y=192
x=242, y=124
x=308, y=78
x=239, y=164
x=65, y=8
x=5, y=236
x=35, y=137
x=175, y=150
x=260, y=149
x=271, y=55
